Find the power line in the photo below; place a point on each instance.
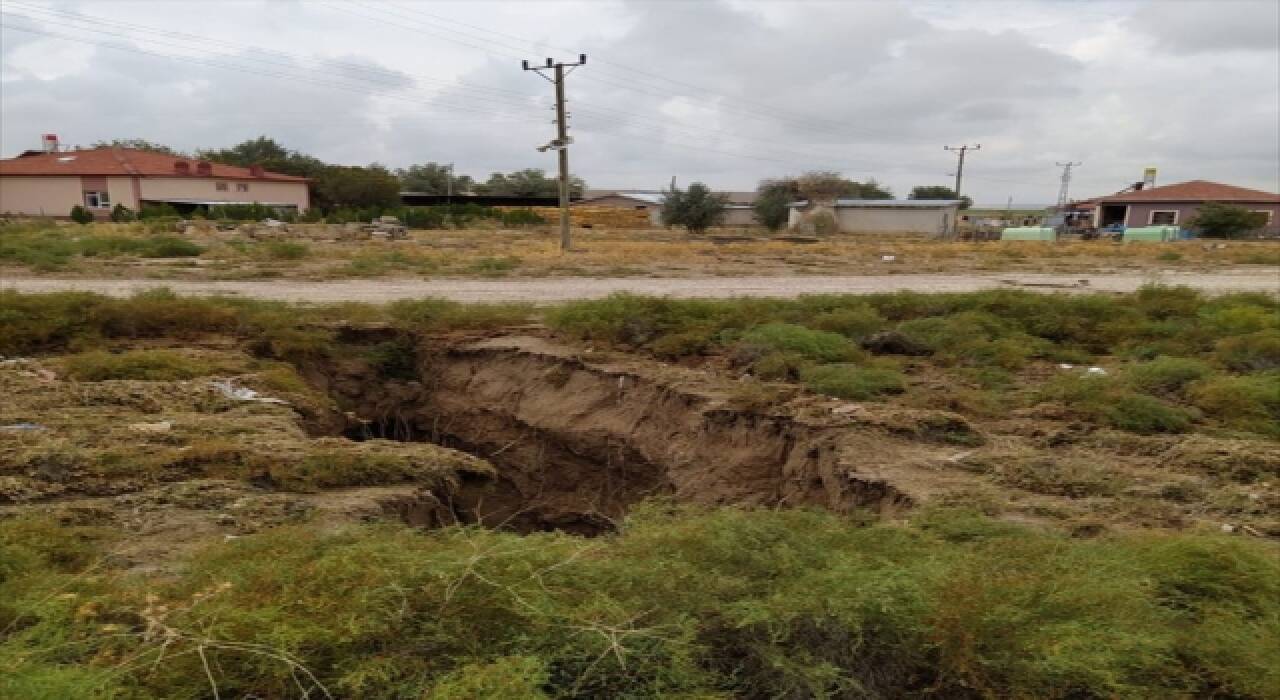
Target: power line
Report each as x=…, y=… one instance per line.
x=961, y=150
x=1066, y=182
x=561, y=143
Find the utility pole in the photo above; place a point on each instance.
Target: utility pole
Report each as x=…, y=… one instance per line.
x=960, y=166
x=562, y=141
x=1066, y=182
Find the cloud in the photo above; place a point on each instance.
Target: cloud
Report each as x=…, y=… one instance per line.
x=728, y=93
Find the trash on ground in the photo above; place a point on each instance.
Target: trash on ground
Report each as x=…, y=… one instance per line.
x=241, y=393
x=20, y=427
x=157, y=427
x=1096, y=370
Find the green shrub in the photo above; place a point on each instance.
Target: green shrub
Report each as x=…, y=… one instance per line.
x=1139, y=413
x=823, y=346
x=243, y=212
x=1250, y=402
x=779, y=366
x=1165, y=375
x=168, y=247
x=848, y=381
x=519, y=218
x=854, y=323
x=158, y=211
x=80, y=215
x=149, y=365
x=424, y=217
x=120, y=213
x=1255, y=351
x=678, y=345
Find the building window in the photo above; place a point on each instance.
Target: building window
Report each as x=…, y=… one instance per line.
x=1271, y=215
x=242, y=187
x=1163, y=218
x=220, y=186
x=97, y=200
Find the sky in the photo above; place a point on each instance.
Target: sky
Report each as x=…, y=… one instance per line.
x=726, y=92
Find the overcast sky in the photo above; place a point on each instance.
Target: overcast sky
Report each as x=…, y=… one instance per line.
x=722, y=91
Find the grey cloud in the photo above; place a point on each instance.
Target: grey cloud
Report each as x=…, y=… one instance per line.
x=1204, y=27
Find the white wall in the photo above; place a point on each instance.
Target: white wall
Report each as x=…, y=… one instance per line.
x=870, y=220
x=204, y=189
x=39, y=195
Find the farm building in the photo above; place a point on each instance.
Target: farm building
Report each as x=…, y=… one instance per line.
x=1176, y=205
x=933, y=217
x=738, y=209
x=50, y=183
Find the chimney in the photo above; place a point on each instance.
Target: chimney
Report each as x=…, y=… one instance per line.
x=49, y=143
x=204, y=168
x=182, y=167
x=256, y=171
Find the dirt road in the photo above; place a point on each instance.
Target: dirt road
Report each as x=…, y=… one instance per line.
x=555, y=289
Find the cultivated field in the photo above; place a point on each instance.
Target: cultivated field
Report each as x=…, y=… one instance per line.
x=992, y=494
x=316, y=252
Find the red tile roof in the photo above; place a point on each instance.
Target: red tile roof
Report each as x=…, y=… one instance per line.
x=125, y=161
x=1194, y=191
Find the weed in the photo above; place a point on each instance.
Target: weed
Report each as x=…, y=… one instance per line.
x=1166, y=375
x=848, y=381
x=285, y=250
x=1249, y=402
x=1139, y=413
x=1255, y=351
x=149, y=365
x=822, y=346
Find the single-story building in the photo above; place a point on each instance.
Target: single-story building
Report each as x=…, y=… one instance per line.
x=738, y=205
x=934, y=217
x=50, y=183
x=1176, y=205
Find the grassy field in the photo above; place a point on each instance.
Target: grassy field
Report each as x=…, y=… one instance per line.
x=222, y=554
x=153, y=251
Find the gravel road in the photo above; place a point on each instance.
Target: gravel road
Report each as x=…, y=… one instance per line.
x=555, y=289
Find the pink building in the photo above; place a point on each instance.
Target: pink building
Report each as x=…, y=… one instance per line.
x=51, y=183
x=1176, y=205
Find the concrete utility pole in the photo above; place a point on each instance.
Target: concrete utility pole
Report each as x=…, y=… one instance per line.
x=562, y=140
x=960, y=166
x=1066, y=182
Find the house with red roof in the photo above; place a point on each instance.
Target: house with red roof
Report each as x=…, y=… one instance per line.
x=51, y=182
x=1177, y=204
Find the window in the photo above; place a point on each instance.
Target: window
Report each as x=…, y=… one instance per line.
x=97, y=200
x=1270, y=215
x=220, y=186
x=1163, y=218
x=242, y=187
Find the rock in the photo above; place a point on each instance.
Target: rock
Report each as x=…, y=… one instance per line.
x=895, y=343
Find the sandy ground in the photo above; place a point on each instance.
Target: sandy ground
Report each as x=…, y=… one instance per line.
x=569, y=288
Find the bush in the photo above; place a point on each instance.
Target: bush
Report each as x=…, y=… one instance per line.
x=1166, y=375
x=120, y=213
x=285, y=250
x=158, y=211
x=1217, y=220
x=519, y=218
x=168, y=247
x=1138, y=413
x=243, y=212
x=424, y=217
x=847, y=381
x=854, y=323
x=1249, y=402
x=822, y=346
x=80, y=215
x=1252, y=352
x=149, y=365
x=697, y=208
x=824, y=223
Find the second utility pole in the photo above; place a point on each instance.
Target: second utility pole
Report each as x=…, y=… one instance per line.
x=561, y=142
x=960, y=165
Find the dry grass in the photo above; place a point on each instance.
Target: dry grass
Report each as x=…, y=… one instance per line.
x=313, y=253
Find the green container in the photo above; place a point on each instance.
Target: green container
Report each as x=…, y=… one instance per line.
x=1029, y=233
x=1155, y=234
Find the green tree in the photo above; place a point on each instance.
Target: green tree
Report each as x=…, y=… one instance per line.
x=697, y=208
x=355, y=187
x=772, y=198
x=1218, y=220
x=938, y=192
x=120, y=213
x=269, y=154
x=433, y=178
x=825, y=184
x=137, y=145
x=530, y=182
x=80, y=215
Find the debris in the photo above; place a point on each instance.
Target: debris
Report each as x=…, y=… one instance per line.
x=1250, y=531
x=225, y=519
x=241, y=393
x=888, y=258
x=1065, y=365
x=1096, y=370
x=20, y=427
x=1228, y=528
x=157, y=427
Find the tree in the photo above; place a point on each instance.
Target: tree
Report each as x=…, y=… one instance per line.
x=824, y=184
x=1218, y=220
x=267, y=153
x=137, y=145
x=772, y=198
x=433, y=178
x=355, y=187
x=938, y=192
x=697, y=208
x=530, y=182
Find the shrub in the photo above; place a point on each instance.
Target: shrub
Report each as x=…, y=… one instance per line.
x=168, y=247
x=1139, y=413
x=423, y=217
x=854, y=323
x=120, y=213
x=824, y=223
x=158, y=211
x=286, y=250
x=697, y=208
x=243, y=212
x=149, y=365
x=848, y=381
x=822, y=346
x=1249, y=402
x=779, y=366
x=1217, y=220
x=80, y=215
x=1165, y=375
x=519, y=218
x=1255, y=351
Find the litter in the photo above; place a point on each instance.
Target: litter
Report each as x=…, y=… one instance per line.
x=241, y=393
x=1066, y=366
x=1096, y=370
x=19, y=427
x=158, y=427
x=888, y=258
